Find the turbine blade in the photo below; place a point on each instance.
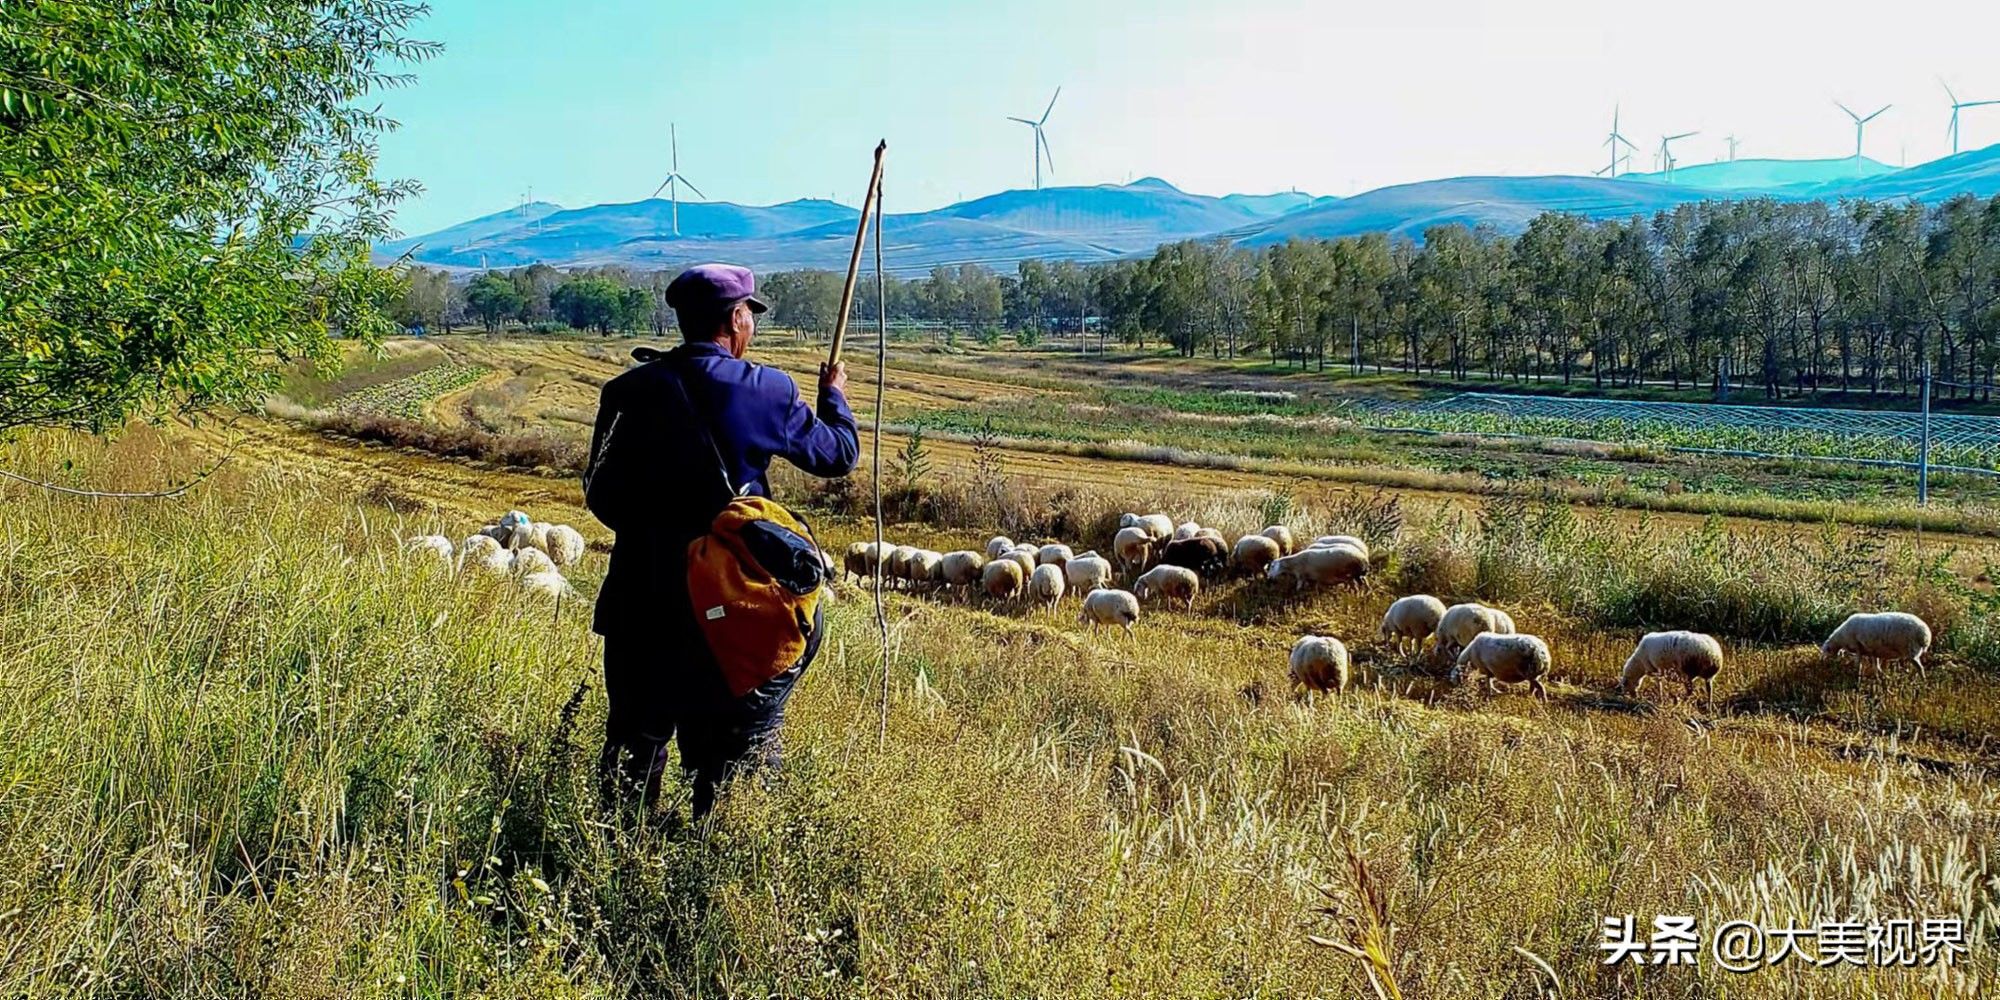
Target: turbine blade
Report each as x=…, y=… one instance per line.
x=1850, y=111
x=1023, y=121
x=1947, y=91
x=1051, y=107
x=662, y=187
x=1627, y=142
x=690, y=185
x=1047, y=157
x=1878, y=111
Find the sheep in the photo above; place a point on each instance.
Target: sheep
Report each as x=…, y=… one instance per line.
x=1207, y=556
x=1054, y=554
x=533, y=535
x=1045, y=584
x=516, y=525
x=1691, y=656
x=436, y=546
x=896, y=562
x=1412, y=617
x=1322, y=567
x=528, y=562
x=1168, y=581
x=926, y=568
x=1133, y=546
x=1287, y=544
x=1329, y=541
x=499, y=533
x=1254, y=552
x=1086, y=573
x=998, y=545
x=1884, y=636
x=1187, y=530
x=1460, y=623
x=565, y=545
x=1110, y=607
x=1001, y=578
x=1510, y=658
x=1319, y=663
x=1158, y=527
x=484, y=553
x=1025, y=555
x=858, y=561
x=547, y=583
x=961, y=568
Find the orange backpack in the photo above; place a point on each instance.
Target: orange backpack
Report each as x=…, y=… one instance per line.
x=755, y=583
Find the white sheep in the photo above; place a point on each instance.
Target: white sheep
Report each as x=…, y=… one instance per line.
x=1509, y=658
x=961, y=568
x=484, y=553
x=1412, y=617
x=1330, y=541
x=531, y=561
x=1086, y=573
x=1045, y=584
x=1254, y=552
x=1110, y=607
x=1054, y=554
x=1320, y=567
x=1319, y=663
x=1287, y=543
x=1133, y=546
x=547, y=583
x=926, y=568
x=1187, y=530
x=565, y=545
x=896, y=564
x=998, y=545
x=1691, y=656
x=1158, y=527
x=516, y=525
x=1883, y=636
x=1175, y=582
x=858, y=560
x=1025, y=555
x=1460, y=623
x=1001, y=578
x=437, y=547
x=534, y=534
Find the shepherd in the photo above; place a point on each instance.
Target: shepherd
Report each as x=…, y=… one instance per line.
x=676, y=440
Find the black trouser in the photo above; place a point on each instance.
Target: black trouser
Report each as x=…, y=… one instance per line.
x=666, y=686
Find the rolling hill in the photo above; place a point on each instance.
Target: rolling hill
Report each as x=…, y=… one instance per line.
x=1767, y=174
x=1504, y=202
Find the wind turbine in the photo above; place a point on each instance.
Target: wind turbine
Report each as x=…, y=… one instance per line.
x=1041, y=140
x=1860, y=123
x=1667, y=155
x=1956, y=106
x=1613, y=140
x=674, y=180
x=1733, y=142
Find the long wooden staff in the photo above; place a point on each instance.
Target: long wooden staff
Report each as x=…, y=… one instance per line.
x=868, y=204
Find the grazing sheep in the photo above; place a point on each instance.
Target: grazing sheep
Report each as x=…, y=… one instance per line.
x=896, y=564
x=1158, y=527
x=1254, y=552
x=1691, y=656
x=1177, y=582
x=1001, y=578
x=547, y=583
x=1086, y=573
x=1025, y=555
x=1054, y=554
x=1187, y=530
x=1329, y=541
x=1207, y=556
x=1510, y=658
x=436, y=546
x=531, y=561
x=1319, y=663
x=1110, y=607
x=533, y=535
x=1133, y=546
x=859, y=560
x=926, y=568
x=1412, y=617
x=1460, y=623
x=1287, y=543
x=961, y=568
x=516, y=525
x=998, y=545
x=1319, y=567
x=1045, y=584
x=565, y=545
x=1885, y=637
x=498, y=533
x=484, y=554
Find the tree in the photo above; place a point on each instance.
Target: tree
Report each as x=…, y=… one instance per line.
x=187, y=198
x=588, y=303
x=494, y=300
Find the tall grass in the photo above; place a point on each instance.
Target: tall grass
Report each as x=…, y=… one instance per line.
x=250, y=751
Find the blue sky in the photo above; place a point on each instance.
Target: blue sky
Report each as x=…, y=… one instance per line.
x=779, y=99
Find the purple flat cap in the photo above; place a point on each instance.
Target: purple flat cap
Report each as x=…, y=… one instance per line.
x=713, y=288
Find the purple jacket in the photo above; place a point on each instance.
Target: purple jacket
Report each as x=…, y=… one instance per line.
x=754, y=414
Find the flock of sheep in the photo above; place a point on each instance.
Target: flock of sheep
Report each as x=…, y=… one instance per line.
x=1168, y=563
x=527, y=551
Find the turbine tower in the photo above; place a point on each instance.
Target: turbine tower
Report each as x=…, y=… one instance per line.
x=1041, y=140
x=1613, y=141
x=1733, y=142
x=1666, y=153
x=1956, y=106
x=672, y=185
x=1860, y=123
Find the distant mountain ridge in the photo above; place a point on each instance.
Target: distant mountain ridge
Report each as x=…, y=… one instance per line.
x=1107, y=221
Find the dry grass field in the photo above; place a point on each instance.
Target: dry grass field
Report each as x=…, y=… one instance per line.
x=252, y=749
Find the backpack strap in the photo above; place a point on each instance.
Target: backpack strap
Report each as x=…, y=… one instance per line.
x=683, y=369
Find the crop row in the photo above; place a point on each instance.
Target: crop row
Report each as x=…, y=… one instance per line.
x=407, y=396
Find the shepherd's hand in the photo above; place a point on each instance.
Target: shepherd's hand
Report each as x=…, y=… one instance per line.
x=833, y=376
